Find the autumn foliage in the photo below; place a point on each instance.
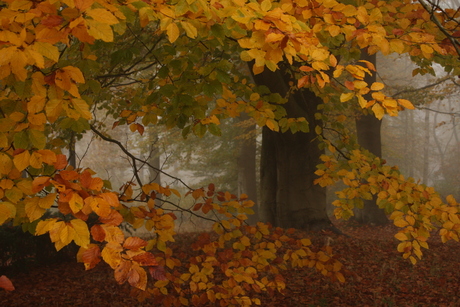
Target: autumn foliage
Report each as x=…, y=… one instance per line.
x=55, y=71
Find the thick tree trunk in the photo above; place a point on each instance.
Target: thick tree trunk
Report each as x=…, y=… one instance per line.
x=368, y=133
x=288, y=162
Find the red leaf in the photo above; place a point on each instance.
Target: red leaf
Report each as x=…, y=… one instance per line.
x=6, y=284
x=98, y=233
x=197, y=206
x=158, y=272
x=207, y=208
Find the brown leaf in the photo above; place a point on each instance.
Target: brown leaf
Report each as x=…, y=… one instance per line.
x=122, y=270
x=145, y=259
x=158, y=272
x=6, y=283
x=134, y=243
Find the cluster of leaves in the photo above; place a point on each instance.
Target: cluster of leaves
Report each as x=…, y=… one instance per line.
x=415, y=208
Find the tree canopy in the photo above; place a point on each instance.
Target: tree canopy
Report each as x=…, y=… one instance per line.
x=182, y=64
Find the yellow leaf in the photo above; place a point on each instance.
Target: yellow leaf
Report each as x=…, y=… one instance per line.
x=66, y=235
x=74, y=73
x=346, y=96
x=400, y=222
x=406, y=104
x=82, y=108
x=378, y=111
x=75, y=202
x=190, y=29
x=36, y=58
x=333, y=30
x=377, y=86
x=33, y=209
x=379, y=96
x=102, y=15
x=173, y=32
x=111, y=254
x=167, y=12
x=397, y=46
x=7, y=211
x=340, y=276
x=100, y=30
x=6, y=164
x=426, y=50
x=22, y=160
x=48, y=50
x=225, y=224
x=266, y=5
x=81, y=236
x=47, y=201
x=272, y=125
x=401, y=236
x=44, y=226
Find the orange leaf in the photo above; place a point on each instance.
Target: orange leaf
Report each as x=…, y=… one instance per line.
x=146, y=259
x=122, y=270
x=114, y=218
x=134, y=243
x=98, y=233
x=61, y=162
x=110, y=198
x=137, y=277
x=39, y=183
x=91, y=256
x=22, y=160
x=6, y=284
x=206, y=208
x=88, y=182
x=98, y=205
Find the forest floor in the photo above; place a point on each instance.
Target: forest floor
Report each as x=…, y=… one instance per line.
x=379, y=277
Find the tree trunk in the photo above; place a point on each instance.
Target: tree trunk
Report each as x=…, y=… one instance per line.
x=288, y=162
x=246, y=161
x=368, y=133
x=426, y=149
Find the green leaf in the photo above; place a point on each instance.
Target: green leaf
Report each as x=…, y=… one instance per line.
x=199, y=129
x=214, y=129
x=21, y=140
x=37, y=138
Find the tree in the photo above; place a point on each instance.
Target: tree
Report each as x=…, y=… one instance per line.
x=176, y=64
x=289, y=159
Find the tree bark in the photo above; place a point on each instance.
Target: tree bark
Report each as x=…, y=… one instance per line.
x=288, y=162
x=368, y=134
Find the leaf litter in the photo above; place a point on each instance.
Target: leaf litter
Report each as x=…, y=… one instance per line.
x=376, y=275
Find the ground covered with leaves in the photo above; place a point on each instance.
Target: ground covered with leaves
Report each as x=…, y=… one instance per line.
x=377, y=276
